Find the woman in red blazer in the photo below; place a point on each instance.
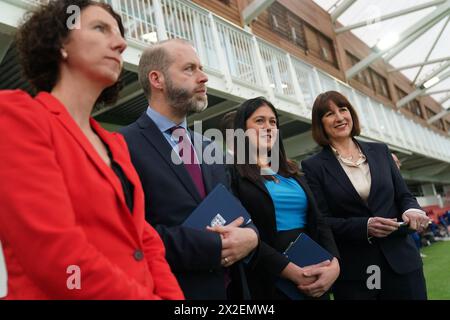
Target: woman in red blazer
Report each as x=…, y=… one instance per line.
x=72, y=208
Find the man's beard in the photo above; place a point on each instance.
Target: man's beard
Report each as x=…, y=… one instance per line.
x=183, y=101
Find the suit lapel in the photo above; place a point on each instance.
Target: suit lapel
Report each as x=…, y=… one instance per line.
x=373, y=167
x=122, y=159
x=260, y=184
x=334, y=168
x=311, y=221
x=159, y=143
x=266, y=202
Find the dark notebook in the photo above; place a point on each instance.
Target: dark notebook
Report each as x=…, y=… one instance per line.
x=219, y=207
x=303, y=252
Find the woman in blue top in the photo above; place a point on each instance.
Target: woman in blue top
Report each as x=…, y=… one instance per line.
x=276, y=195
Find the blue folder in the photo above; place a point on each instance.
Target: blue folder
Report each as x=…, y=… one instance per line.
x=219, y=207
x=303, y=252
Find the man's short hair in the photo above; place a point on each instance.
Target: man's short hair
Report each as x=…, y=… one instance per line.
x=155, y=58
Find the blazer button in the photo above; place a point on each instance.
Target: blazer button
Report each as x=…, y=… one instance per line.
x=138, y=255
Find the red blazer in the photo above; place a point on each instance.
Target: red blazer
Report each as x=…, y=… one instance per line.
x=61, y=205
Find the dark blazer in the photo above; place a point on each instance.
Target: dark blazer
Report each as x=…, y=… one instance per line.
x=347, y=213
x=170, y=197
x=269, y=262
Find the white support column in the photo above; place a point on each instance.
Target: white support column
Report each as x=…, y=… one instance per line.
x=277, y=75
x=361, y=114
x=444, y=99
x=420, y=64
x=262, y=70
x=428, y=189
x=409, y=138
x=341, y=9
x=295, y=84
x=430, y=51
x=374, y=117
x=254, y=9
x=436, y=92
x=387, y=131
x=407, y=36
x=434, y=73
x=197, y=34
x=438, y=116
x=402, y=102
x=390, y=16
x=161, y=30
x=317, y=85
x=399, y=132
x=220, y=52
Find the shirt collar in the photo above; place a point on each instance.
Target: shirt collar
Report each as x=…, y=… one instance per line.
x=163, y=123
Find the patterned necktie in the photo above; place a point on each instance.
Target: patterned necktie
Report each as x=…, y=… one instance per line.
x=187, y=155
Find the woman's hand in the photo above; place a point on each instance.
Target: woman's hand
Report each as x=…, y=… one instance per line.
x=325, y=276
x=381, y=227
x=416, y=221
x=295, y=274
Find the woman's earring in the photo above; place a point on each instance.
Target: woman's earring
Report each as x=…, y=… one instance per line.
x=64, y=54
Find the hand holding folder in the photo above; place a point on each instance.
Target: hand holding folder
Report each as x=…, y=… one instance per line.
x=219, y=208
x=303, y=252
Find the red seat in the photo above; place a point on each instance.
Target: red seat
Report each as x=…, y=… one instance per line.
x=434, y=212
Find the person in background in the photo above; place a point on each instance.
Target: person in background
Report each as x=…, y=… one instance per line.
x=72, y=208
x=363, y=197
x=174, y=83
x=281, y=206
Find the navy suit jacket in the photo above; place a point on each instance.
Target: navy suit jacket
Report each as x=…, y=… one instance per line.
x=347, y=213
x=170, y=197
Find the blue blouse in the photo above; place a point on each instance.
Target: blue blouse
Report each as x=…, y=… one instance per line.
x=290, y=202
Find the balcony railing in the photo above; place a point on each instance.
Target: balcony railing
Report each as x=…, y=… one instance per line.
x=245, y=60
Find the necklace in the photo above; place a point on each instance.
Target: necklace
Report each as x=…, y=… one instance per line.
x=349, y=160
x=346, y=158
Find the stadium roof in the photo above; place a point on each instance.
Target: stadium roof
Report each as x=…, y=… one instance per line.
x=422, y=30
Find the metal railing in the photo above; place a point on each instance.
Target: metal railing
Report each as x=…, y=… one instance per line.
x=245, y=60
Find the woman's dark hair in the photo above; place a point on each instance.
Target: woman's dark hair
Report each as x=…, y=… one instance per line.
x=321, y=106
x=39, y=40
x=287, y=168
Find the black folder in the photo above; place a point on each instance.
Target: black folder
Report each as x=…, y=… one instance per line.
x=219, y=207
x=303, y=252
